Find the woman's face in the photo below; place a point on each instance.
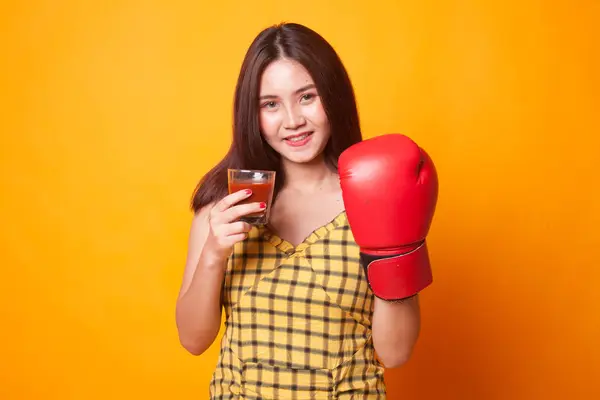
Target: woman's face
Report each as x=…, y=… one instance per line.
x=292, y=118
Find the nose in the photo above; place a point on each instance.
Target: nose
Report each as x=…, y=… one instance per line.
x=294, y=118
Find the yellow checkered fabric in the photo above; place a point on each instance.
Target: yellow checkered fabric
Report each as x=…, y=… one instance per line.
x=298, y=320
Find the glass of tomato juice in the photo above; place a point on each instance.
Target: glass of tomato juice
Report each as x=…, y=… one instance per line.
x=261, y=183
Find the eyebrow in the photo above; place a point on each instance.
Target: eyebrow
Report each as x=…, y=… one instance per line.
x=302, y=89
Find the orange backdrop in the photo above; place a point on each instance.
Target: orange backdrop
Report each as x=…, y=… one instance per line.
x=113, y=110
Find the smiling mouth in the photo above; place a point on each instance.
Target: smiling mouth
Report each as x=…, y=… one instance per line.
x=298, y=138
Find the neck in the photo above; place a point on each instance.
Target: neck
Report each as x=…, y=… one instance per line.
x=309, y=177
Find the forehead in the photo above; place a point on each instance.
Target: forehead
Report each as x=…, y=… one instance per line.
x=284, y=76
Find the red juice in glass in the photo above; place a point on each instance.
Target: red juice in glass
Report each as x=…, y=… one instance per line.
x=261, y=183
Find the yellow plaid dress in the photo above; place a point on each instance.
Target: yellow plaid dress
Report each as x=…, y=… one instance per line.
x=298, y=320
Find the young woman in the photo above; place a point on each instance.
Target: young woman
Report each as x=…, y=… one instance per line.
x=301, y=321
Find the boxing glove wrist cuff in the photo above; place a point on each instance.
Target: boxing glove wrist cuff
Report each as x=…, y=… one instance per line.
x=396, y=277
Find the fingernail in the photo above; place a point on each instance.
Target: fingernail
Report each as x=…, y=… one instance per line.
x=263, y=205
x=248, y=191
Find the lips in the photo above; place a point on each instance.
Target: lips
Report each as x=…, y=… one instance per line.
x=299, y=137
x=299, y=140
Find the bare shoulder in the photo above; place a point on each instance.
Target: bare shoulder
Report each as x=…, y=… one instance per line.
x=199, y=229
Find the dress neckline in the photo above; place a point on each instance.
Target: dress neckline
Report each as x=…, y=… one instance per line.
x=317, y=234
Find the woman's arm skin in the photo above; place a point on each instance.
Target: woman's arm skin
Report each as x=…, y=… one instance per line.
x=396, y=327
x=215, y=230
x=198, y=312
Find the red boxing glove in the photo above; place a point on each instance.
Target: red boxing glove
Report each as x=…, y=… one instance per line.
x=390, y=188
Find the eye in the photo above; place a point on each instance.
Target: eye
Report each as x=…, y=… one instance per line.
x=268, y=104
x=308, y=97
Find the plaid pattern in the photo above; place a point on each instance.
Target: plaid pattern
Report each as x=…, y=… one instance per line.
x=298, y=320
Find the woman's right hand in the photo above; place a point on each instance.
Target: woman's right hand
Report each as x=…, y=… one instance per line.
x=225, y=229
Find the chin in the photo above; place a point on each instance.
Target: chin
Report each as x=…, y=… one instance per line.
x=303, y=157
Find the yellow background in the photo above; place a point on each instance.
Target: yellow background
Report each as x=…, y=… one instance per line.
x=112, y=110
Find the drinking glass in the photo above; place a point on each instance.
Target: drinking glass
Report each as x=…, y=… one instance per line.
x=262, y=184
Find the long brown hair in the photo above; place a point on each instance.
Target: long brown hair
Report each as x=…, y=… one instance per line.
x=248, y=149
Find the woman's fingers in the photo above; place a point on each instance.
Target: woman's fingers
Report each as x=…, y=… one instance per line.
x=231, y=199
x=236, y=228
x=236, y=212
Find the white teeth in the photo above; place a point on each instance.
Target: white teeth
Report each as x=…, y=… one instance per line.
x=298, y=138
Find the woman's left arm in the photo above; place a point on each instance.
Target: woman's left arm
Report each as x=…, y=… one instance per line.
x=396, y=327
